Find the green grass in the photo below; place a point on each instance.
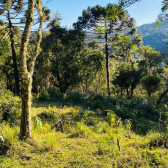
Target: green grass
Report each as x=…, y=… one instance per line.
x=89, y=139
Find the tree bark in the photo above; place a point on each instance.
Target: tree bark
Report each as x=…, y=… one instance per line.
x=16, y=72
x=132, y=91
x=25, y=127
x=107, y=65
x=127, y=93
x=149, y=99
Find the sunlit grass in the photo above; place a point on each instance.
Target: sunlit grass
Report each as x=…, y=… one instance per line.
x=88, y=140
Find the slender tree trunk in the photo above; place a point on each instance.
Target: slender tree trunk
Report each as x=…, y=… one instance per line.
x=149, y=99
x=132, y=90
x=25, y=127
x=107, y=65
x=16, y=72
x=127, y=93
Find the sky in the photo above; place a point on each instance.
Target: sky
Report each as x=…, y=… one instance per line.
x=144, y=12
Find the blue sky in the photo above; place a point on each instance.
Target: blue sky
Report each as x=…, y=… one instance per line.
x=144, y=12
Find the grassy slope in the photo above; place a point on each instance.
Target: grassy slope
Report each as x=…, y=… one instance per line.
x=87, y=141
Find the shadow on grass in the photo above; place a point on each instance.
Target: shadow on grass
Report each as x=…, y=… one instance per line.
x=3, y=149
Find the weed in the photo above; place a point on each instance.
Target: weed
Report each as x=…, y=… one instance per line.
x=38, y=124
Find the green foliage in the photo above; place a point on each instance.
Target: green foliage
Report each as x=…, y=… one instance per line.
x=75, y=97
x=65, y=62
x=38, y=124
x=128, y=77
x=150, y=81
x=111, y=118
x=8, y=138
x=44, y=96
x=10, y=108
x=55, y=95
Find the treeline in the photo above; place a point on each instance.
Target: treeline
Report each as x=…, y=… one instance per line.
x=119, y=64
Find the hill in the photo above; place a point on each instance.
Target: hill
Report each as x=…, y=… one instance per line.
x=153, y=35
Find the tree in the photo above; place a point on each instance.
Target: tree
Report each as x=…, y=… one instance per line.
x=163, y=15
x=105, y=20
x=25, y=127
x=128, y=77
x=150, y=82
x=11, y=9
x=92, y=61
x=125, y=47
x=128, y=3
x=128, y=74
x=63, y=48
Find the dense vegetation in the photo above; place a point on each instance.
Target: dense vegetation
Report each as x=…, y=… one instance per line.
x=100, y=102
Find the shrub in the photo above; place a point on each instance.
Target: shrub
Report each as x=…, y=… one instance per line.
x=44, y=96
x=10, y=107
x=55, y=95
x=80, y=131
x=75, y=97
x=150, y=83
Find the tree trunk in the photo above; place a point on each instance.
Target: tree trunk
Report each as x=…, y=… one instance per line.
x=132, y=91
x=16, y=72
x=107, y=65
x=149, y=99
x=25, y=128
x=127, y=93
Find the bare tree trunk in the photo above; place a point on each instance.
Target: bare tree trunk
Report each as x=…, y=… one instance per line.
x=25, y=127
x=16, y=72
x=149, y=99
x=132, y=91
x=127, y=93
x=107, y=65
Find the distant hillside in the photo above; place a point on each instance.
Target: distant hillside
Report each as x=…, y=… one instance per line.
x=153, y=35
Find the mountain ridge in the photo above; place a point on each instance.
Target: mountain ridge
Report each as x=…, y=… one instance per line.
x=153, y=35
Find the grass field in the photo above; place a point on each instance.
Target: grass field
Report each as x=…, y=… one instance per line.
x=87, y=139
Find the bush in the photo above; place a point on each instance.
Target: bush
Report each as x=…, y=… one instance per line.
x=80, y=131
x=75, y=97
x=150, y=83
x=44, y=96
x=55, y=95
x=10, y=107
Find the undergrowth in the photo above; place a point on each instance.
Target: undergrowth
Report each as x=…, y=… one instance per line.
x=115, y=134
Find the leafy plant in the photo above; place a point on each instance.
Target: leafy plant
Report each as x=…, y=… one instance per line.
x=10, y=107
x=111, y=118
x=38, y=124
x=151, y=81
